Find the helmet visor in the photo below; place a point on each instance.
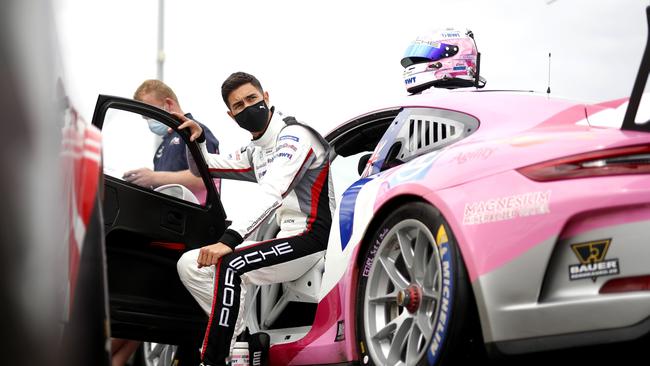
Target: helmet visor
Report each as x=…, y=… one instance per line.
x=425, y=52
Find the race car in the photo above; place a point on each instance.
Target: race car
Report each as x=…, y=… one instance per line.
x=513, y=218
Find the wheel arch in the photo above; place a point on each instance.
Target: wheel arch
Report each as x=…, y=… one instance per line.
x=390, y=205
x=383, y=211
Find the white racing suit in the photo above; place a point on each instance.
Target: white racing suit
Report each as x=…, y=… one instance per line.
x=290, y=162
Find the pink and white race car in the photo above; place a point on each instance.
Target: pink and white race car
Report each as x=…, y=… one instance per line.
x=517, y=219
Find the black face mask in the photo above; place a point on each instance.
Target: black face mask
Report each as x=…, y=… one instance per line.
x=253, y=118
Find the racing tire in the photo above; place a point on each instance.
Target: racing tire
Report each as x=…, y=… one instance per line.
x=413, y=293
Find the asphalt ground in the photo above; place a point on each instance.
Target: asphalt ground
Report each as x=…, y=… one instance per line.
x=635, y=352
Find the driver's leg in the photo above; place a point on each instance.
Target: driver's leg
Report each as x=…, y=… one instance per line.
x=273, y=261
x=198, y=281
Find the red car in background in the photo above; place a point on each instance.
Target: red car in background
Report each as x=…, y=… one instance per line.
x=52, y=274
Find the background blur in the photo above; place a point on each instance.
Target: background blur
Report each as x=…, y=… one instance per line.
x=326, y=62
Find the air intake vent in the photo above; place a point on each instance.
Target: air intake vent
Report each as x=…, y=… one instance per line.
x=419, y=131
x=427, y=134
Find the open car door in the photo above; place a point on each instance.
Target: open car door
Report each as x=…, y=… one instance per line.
x=147, y=231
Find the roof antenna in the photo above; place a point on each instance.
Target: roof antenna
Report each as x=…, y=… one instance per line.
x=479, y=82
x=548, y=89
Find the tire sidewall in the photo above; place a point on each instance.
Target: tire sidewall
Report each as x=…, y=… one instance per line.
x=448, y=325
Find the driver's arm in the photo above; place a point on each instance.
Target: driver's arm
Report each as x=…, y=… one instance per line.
x=235, y=166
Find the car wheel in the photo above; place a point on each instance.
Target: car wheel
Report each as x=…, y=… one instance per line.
x=413, y=291
x=157, y=354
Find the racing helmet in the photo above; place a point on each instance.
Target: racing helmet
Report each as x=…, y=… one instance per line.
x=445, y=58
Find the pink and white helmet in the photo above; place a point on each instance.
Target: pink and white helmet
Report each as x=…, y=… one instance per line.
x=443, y=59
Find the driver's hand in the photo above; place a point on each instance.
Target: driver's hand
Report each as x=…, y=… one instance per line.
x=210, y=254
x=195, y=128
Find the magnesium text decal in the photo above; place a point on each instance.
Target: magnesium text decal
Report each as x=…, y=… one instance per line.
x=507, y=208
x=592, y=260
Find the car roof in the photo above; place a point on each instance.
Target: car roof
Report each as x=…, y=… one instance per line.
x=495, y=106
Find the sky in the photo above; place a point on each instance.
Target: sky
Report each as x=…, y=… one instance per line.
x=326, y=62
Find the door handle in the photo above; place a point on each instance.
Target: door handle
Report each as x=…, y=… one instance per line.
x=173, y=220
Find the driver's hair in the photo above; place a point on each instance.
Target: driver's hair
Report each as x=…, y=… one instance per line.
x=235, y=80
x=156, y=87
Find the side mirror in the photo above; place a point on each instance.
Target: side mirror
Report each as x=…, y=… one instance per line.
x=363, y=160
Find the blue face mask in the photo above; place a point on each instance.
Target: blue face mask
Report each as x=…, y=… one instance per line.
x=156, y=127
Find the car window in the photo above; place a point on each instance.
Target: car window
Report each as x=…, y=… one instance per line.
x=345, y=172
x=130, y=147
x=418, y=131
x=128, y=143
x=354, y=140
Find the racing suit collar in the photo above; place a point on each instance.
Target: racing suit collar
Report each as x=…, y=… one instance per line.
x=272, y=130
